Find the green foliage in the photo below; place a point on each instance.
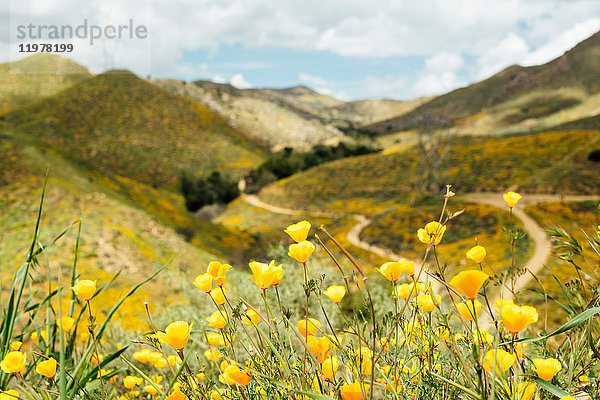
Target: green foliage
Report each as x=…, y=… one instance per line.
x=289, y=162
x=213, y=188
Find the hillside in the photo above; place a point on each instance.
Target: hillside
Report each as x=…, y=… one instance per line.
x=271, y=123
x=561, y=83
x=552, y=162
x=296, y=117
x=121, y=125
x=28, y=79
x=114, y=232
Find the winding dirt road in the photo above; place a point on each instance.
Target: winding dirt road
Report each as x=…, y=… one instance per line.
x=542, y=245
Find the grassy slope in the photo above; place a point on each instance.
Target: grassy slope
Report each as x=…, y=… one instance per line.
x=396, y=229
x=576, y=69
x=384, y=188
x=546, y=163
x=114, y=233
x=264, y=119
x=29, y=79
x=123, y=126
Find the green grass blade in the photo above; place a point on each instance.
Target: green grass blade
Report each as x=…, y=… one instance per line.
x=550, y=388
x=579, y=319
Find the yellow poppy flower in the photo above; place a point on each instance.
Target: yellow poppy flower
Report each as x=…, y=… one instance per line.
x=432, y=233
x=498, y=304
x=278, y=273
x=177, y=334
x=477, y=254
x=263, y=274
x=177, y=395
x=251, y=317
x=525, y=390
x=218, y=271
x=467, y=311
x=404, y=290
x=299, y=231
x=65, y=323
x=330, y=367
x=319, y=347
x=517, y=318
x=212, y=355
x=16, y=345
x=511, y=198
x=428, y=302
x=154, y=357
x=131, y=381
x=237, y=375
x=498, y=360
x=469, y=282
x=546, y=368
x=352, y=391
x=14, y=362
x=85, y=289
x=393, y=270
x=34, y=335
x=9, y=394
x=308, y=328
x=301, y=251
x=141, y=356
x=204, y=282
x=218, y=319
x=151, y=390
x=218, y=295
x=47, y=368
x=335, y=293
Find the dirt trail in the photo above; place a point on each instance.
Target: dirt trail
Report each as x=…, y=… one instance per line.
x=543, y=247
x=353, y=235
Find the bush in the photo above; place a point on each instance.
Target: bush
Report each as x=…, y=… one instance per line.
x=594, y=156
x=287, y=162
x=213, y=188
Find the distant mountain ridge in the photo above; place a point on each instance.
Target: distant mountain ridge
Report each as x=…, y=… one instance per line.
x=577, y=69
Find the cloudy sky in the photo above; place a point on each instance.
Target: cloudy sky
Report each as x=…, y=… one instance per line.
x=347, y=48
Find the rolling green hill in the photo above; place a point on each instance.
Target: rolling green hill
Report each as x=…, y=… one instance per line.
x=123, y=126
x=29, y=79
x=560, y=83
x=552, y=162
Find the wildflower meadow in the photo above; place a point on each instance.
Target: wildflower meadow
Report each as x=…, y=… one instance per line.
x=400, y=330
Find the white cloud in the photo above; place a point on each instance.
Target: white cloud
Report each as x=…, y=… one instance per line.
x=312, y=80
x=322, y=85
x=495, y=33
x=219, y=79
x=239, y=82
x=568, y=39
x=439, y=75
x=509, y=50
